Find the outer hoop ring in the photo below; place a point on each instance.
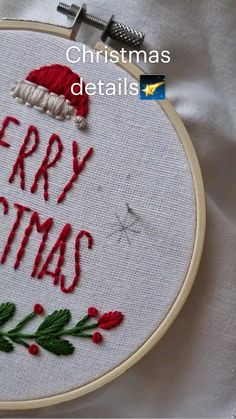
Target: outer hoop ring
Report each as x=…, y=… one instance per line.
x=179, y=127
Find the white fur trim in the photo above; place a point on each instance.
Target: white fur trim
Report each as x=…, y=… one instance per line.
x=42, y=100
x=80, y=122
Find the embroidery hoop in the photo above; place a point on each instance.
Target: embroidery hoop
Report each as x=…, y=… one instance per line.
x=180, y=129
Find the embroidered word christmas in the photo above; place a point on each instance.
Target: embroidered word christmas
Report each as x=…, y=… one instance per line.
x=41, y=268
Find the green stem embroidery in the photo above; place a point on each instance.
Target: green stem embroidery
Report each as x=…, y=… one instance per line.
x=76, y=331
x=50, y=333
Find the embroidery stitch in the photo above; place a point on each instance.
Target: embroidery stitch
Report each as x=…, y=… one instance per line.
x=43, y=170
x=45, y=227
x=4, y=202
x=77, y=261
x=5, y=124
x=50, y=334
x=48, y=89
x=20, y=211
x=19, y=165
x=23, y=153
x=61, y=244
x=77, y=168
x=125, y=227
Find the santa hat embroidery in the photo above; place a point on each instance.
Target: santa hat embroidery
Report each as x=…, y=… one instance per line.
x=48, y=89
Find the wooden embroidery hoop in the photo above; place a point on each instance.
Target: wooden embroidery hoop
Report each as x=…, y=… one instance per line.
x=178, y=125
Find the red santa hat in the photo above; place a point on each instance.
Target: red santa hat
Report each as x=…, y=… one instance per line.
x=48, y=89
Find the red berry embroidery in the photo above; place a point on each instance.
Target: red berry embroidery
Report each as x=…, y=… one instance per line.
x=33, y=349
x=38, y=309
x=110, y=320
x=92, y=312
x=97, y=337
x=55, y=329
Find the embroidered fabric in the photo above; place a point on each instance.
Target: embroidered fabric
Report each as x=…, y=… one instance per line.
x=135, y=198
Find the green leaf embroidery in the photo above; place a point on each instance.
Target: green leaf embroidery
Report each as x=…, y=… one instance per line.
x=50, y=334
x=5, y=345
x=6, y=312
x=22, y=323
x=55, y=345
x=55, y=322
x=82, y=321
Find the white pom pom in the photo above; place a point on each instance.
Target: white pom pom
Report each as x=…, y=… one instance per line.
x=80, y=122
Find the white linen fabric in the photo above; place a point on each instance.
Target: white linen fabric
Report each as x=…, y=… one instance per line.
x=191, y=373
x=138, y=160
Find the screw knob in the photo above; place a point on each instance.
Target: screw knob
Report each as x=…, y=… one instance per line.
x=125, y=34
x=111, y=29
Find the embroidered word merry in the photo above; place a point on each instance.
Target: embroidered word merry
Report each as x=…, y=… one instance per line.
x=29, y=147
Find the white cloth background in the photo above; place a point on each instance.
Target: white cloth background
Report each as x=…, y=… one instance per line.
x=150, y=171
x=192, y=372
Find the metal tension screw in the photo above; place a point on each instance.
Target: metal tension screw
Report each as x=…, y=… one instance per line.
x=112, y=29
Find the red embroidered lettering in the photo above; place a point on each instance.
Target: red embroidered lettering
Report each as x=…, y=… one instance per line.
x=61, y=245
x=77, y=169
x=23, y=153
x=41, y=228
x=4, y=202
x=77, y=261
x=5, y=124
x=20, y=210
x=43, y=170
